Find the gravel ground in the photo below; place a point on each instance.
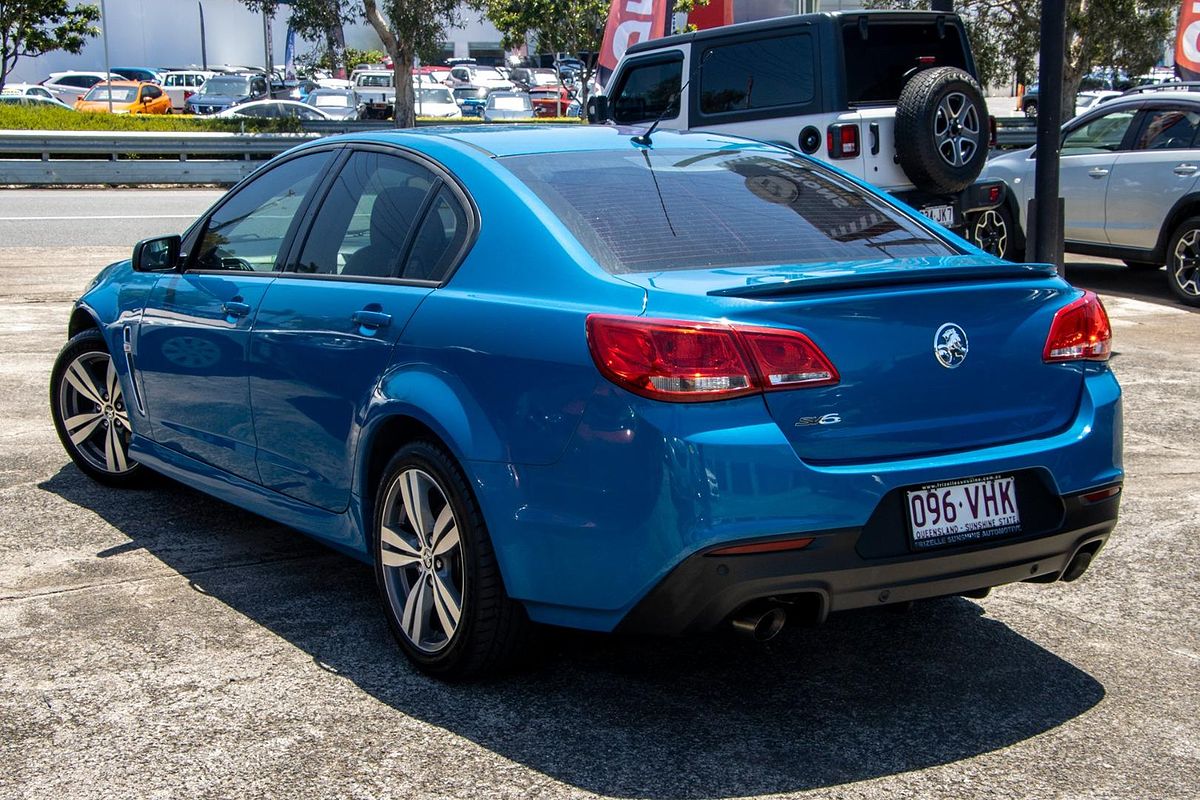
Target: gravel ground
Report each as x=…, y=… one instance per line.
x=159, y=643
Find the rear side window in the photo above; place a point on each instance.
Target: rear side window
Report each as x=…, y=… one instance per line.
x=1168, y=129
x=760, y=73
x=644, y=211
x=878, y=66
x=648, y=91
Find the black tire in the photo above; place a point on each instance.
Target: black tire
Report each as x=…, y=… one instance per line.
x=1143, y=266
x=995, y=231
x=942, y=130
x=1031, y=109
x=86, y=443
x=1183, y=262
x=491, y=629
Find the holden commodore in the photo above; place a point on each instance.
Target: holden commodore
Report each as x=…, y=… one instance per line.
x=613, y=382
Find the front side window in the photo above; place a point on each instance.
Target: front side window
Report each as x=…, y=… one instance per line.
x=1168, y=129
x=248, y=231
x=1101, y=135
x=649, y=91
x=760, y=73
x=703, y=209
x=368, y=218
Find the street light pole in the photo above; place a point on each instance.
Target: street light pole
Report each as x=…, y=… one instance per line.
x=203, y=41
x=1045, y=212
x=107, y=65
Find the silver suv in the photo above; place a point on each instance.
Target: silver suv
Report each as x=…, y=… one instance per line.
x=889, y=97
x=1130, y=179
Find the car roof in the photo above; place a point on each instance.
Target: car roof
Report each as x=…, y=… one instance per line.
x=532, y=139
x=123, y=83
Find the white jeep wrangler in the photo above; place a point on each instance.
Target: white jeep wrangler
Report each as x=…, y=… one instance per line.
x=888, y=96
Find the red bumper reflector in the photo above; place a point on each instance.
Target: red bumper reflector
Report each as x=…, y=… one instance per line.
x=763, y=547
x=1103, y=494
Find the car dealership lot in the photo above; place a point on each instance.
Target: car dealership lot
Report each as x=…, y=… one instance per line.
x=159, y=642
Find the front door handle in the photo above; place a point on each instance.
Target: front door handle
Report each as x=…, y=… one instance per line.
x=372, y=319
x=1098, y=172
x=1186, y=169
x=234, y=308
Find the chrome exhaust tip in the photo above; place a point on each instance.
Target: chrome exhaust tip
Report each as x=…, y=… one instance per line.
x=760, y=625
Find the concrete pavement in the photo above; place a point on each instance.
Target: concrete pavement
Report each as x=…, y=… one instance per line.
x=158, y=643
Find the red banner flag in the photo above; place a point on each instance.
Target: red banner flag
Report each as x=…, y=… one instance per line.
x=630, y=22
x=1187, y=43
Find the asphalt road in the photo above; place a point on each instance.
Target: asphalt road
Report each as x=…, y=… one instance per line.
x=158, y=643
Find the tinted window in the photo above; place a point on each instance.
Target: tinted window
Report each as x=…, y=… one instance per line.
x=172, y=81
x=1102, y=134
x=761, y=73
x=648, y=91
x=151, y=92
x=692, y=209
x=439, y=239
x=367, y=218
x=1168, y=129
x=248, y=231
x=878, y=67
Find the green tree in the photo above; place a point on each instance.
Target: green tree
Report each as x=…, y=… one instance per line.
x=410, y=28
x=33, y=27
x=1116, y=34
x=319, y=21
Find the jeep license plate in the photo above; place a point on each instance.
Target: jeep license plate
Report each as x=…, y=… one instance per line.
x=942, y=215
x=958, y=512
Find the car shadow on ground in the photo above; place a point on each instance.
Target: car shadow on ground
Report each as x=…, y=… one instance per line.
x=869, y=694
x=1113, y=277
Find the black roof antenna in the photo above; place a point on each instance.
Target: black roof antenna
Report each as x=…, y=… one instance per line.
x=644, y=138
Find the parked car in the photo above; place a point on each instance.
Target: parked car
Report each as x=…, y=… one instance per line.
x=526, y=78
x=377, y=88
x=435, y=101
x=487, y=77
x=32, y=100
x=139, y=74
x=276, y=109
x=550, y=101
x=503, y=106
x=652, y=425
x=1086, y=100
x=471, y=99
x=225, y=91
x=1129, y=177
x=337, y=103
x=26, y=90
x=182, y=84
x=70, y=86
x=890, y=97
x=125, y=97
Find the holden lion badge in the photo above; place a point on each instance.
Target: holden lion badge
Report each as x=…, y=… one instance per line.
x=950, y=345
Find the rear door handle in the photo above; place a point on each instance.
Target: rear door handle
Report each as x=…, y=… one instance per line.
x=1186, y=169
x=233, y=308
x=1098, y=172
x=372, y=319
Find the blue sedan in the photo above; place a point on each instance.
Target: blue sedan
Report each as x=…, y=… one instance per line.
x=577, y=377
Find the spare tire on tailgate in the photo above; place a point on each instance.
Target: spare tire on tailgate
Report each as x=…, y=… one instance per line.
x=941, y=130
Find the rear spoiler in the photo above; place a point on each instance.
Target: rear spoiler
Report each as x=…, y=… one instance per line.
x=853, y=280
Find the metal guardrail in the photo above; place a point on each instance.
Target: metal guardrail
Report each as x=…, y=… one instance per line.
x=46, y=158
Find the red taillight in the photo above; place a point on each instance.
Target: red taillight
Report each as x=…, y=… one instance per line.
x=842, y=140
x=1080, y=332
x=777, y=546
x=691, y=361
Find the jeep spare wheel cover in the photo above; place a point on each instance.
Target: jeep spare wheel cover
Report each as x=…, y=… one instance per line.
x=941, y=130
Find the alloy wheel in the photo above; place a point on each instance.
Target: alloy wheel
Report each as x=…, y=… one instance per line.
x=956, y=129
x=422, y=560
x=990, y=233
x=94, y=415
x=1185, y=264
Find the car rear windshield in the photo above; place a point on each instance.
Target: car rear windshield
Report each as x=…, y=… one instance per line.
x=878, y=66
x=646, y=211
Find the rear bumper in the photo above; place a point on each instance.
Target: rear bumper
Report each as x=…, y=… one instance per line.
x=706, y=589
x=976, y=197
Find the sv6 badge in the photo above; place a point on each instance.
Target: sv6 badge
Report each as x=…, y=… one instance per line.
x=827, y=419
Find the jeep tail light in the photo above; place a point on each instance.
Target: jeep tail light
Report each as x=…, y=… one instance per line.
x=692, y=361
x=842, y=140
x=1079, y=332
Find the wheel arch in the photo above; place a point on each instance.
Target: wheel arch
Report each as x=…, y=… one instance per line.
x=82, y=319
x=1186, y=206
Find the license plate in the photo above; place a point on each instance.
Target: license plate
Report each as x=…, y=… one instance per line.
x=962, y=511
x=942, y=215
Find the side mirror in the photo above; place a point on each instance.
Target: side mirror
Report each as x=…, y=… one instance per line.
x=160, y=254
x=597, y=110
